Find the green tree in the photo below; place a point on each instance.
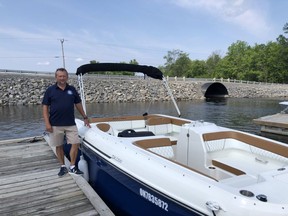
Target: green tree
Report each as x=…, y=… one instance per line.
x=134, y=61
x=223, y=69
x=212, y=62
x=282, y=58
x=231, y=66
x=271, y=68
x=93, y=62
x=182, y=66
x=285, y=28
x=238, y=58
x=177, y=63
x=198, y=69
x=257, y=64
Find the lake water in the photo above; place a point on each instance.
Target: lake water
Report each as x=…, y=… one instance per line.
x=27, y=121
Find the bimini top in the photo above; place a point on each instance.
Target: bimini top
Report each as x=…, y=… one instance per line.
x=97, y=67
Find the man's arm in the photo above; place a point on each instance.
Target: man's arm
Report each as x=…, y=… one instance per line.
x=80, y=109
x=46, y=118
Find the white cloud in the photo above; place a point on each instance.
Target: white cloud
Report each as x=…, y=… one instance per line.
x=43, y=63
x=206, y=4
x=238, y=12
x=79, y=59
x=252, y=22
x=17, y=33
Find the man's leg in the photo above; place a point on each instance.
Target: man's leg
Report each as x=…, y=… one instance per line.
x=60, y=154
x=73, y=154
x=73, y=157
x=56, y=140
x=73, y=138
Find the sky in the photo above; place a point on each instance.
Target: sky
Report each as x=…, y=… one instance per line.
x=33, y=32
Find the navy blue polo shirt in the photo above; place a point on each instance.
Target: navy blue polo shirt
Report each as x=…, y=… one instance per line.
x=61, y=104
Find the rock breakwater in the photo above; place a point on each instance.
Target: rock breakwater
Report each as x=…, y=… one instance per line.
x=22, y=89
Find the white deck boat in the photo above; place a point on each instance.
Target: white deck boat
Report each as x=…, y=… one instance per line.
x=156, y=164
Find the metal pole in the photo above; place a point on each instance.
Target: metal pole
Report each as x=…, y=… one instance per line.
x=63, y=57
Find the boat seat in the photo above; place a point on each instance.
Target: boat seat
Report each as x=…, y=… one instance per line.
x=159, y=125
x=240, y=153
x=166, y=126
x=246, y=141
x=158, y=121
x=160, y=146
x=240, y=162
x=165, y=151
x=105, y=127
x=121, y=123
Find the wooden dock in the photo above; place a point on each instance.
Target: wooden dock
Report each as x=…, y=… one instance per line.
x=29, y=184
x=276, y=124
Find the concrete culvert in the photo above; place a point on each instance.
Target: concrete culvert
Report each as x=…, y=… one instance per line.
x=214, y=90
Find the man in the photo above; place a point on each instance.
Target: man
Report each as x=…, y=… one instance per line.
x=58, y=112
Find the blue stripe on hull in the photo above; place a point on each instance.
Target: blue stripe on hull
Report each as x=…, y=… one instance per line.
x=124, y=194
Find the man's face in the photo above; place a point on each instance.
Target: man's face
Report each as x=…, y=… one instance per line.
x=61, y=77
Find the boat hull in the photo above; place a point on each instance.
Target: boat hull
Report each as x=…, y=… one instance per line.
x=126, y=195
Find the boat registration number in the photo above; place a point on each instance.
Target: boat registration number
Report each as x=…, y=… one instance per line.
x=153, y=199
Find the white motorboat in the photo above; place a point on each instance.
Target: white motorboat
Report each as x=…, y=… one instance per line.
x=155, y=164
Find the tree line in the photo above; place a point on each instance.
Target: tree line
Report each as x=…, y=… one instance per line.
x=261, y=62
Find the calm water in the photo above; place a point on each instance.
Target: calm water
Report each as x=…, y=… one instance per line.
x=26, y=121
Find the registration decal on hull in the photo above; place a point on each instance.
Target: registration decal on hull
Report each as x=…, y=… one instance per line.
x=155, y=200
x=116, y=158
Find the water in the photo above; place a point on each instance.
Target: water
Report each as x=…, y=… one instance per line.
x=27, y=121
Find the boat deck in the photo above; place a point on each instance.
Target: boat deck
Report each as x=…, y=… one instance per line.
x=29, y=184
x=274, y=123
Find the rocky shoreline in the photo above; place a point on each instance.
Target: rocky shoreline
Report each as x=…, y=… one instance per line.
x=23, y=89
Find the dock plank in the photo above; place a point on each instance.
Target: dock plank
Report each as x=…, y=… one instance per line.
x=277, y=120
x=29, y=184
x=275, y=124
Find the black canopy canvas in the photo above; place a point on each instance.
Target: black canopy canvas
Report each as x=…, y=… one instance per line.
x=97, y=67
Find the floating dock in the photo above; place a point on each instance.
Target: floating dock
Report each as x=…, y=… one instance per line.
x=276, y=124
x=29, y=184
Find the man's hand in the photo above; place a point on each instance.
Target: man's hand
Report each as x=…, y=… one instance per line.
x=86, y=123
x=49, y=128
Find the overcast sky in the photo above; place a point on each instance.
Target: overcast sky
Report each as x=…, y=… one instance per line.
x=119, y=31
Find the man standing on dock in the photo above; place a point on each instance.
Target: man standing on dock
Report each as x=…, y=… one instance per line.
x=58, y=112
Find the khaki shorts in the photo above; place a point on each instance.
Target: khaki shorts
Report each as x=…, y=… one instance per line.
x=56, y=138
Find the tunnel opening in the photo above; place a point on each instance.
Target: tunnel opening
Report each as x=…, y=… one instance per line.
x=214, y=90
